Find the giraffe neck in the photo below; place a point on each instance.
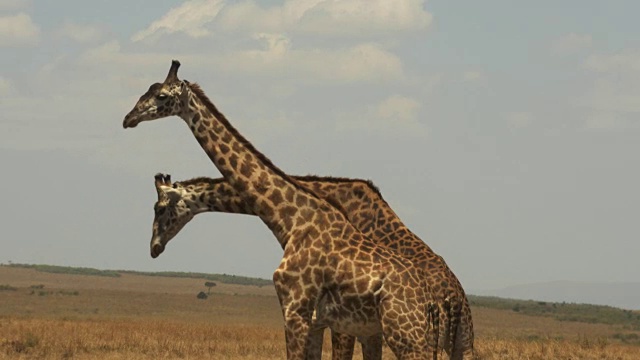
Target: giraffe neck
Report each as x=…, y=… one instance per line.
x=213, y=195
x=264, y=188
x=361, y=201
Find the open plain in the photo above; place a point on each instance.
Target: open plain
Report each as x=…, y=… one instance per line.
x=133, y=316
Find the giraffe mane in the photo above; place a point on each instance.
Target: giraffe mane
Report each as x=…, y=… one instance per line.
x=336, y=179
x=197, y=91
x=200, y=180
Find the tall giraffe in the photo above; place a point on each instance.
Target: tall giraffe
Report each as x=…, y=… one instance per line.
x=364, y=207
x=359, y=287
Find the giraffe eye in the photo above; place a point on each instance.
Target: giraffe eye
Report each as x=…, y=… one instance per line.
x=161, y=96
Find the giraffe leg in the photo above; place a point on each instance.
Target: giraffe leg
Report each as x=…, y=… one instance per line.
x=298, y=304
x=296, y=330
x=406, y=327
x=342, y=346
x=371, y=347
x=314, y=343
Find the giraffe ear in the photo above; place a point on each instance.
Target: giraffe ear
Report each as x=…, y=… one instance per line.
x=183, y=87
x=174, y=195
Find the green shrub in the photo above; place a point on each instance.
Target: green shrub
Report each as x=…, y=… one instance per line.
x=67, y=292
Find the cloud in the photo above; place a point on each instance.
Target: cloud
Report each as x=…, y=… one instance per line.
x=18, y=30
x=12, y=5
x=398, y=108
x=190, y=18
x=111, y=55
x=571, y=43
x=616, y=87
x=469, y=76
x=359, y=18
x=363, y=62
x=518, y=119
x=623, y=62
x=6, y=87
x=277, y=59
x=602, y=120
x=612, y=94
x=80, y=33
x=394, y=114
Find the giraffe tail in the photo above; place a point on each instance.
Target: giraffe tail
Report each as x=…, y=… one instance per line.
x=462, y=332
x=433, y=320
x=454, y=314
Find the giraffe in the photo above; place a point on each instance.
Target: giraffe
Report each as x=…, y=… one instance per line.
x=365, y=208
x=356, y=286
x=176, y=206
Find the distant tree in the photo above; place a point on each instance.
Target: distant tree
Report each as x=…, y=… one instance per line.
x=210, y=284
x=202, y=296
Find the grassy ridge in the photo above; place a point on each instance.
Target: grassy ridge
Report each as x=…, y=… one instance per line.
x=68, y=270
x=223, y=278
x=594, y=314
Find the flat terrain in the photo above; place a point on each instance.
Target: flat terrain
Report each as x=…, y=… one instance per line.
x=53, y=316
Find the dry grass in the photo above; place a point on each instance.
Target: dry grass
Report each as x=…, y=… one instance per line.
x=135, y=339
x=136, y=317
x=546, y=349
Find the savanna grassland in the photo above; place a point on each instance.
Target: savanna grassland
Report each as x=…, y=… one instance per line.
x=48, y=315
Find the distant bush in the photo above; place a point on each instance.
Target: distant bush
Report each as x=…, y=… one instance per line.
x=68, y=293
x=202, y=295
x=632, y=338
x=8, y=288
x=209, y=285
x=37, y=286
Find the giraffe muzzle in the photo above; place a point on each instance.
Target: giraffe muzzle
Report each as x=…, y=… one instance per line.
x=156, y=250
x=130, y=122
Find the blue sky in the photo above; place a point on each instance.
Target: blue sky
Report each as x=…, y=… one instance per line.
x=504, y=133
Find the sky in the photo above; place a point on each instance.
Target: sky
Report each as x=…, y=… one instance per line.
x=505, y=134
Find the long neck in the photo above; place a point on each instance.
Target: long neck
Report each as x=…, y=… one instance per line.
x=363, y=205
x=214, y=195
x=264, y=188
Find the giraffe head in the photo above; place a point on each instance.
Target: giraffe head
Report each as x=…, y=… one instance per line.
x=172, y=213
x=161, y=100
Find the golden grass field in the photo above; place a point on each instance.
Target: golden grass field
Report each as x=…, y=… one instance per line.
x=143, y=317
